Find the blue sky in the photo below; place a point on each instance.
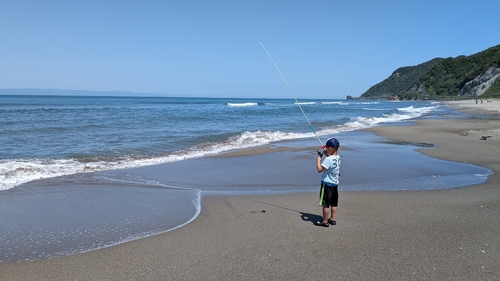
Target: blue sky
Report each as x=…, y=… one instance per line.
x=324, y=48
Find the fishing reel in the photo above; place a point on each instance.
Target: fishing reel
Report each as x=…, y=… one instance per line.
x=322, y=151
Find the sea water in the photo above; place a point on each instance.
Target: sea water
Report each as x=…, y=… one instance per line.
x=48, y=136
x=83, y=173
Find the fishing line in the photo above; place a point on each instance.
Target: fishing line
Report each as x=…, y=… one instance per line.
x=293, y=95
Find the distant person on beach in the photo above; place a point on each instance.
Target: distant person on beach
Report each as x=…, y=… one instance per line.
x=330, y=169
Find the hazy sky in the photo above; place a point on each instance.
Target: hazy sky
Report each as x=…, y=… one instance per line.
x=324, y=48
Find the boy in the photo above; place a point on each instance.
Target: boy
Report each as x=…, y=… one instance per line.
x=329, y=195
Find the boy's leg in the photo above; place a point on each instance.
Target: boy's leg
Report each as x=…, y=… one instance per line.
x=334, y=202
x=334, y=213
x=326, y=212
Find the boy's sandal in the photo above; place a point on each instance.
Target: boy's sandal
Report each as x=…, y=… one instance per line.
x=332, y=222
x=320, y=223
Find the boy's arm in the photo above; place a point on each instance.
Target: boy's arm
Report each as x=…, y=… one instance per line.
x=318, y=165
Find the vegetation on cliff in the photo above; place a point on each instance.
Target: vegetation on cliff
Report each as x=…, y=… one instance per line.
x=400, y=80
x=448, y=76
x=493, y=91
x=439, y=78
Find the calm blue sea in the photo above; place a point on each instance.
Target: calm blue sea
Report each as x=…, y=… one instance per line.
x=49, y=136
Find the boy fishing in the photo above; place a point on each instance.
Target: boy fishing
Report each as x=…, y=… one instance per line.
x=330, y=169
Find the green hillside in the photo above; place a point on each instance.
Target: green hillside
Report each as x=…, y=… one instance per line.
x=448, y=76
x=400, y=80
x=439, y=78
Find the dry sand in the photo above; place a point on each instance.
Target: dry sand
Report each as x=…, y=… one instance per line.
x=450, y=234
x=490, y=106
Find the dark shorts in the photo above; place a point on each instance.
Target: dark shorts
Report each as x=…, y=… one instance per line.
x=328, y=195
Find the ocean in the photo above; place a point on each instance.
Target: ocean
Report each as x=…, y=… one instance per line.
x=49, y=136
x=79, y=173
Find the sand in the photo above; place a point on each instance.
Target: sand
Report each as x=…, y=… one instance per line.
x=487, y=106
x=449, y=234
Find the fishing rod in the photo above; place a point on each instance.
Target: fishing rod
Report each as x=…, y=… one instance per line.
x=290, y=89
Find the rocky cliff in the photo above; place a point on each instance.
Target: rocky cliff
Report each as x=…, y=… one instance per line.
x=481, y=83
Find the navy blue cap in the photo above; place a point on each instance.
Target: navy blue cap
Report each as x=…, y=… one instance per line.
x=333, y=142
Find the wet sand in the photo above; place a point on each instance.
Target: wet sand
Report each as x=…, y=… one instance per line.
x=449, y=234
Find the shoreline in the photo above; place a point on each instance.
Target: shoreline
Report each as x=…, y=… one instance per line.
x=448, y=234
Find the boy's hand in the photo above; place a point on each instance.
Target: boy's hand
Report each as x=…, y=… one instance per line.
x=320, y=153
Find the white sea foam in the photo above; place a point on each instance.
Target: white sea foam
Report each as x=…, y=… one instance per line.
x=19, y=171
x=358, y=123
x=244, y=104
x=368, y=102
x=305, y=103
x=335, y=102
x=14, y=172
x=416, y=111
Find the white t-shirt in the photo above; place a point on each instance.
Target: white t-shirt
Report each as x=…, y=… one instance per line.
x=332, y=169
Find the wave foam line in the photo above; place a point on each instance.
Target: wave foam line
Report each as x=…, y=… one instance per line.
x=334, y=102
x=242, y=104
x=359, y=123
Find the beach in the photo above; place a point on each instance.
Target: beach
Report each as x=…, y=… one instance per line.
x=446, y=234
